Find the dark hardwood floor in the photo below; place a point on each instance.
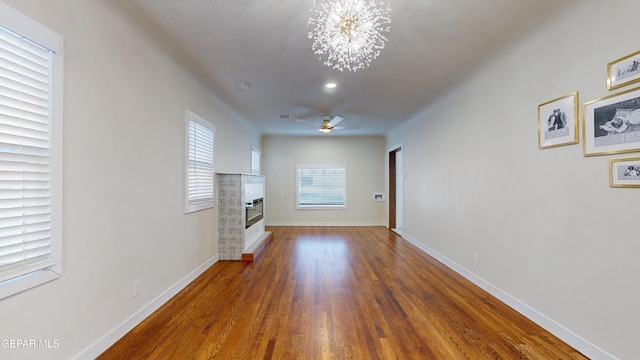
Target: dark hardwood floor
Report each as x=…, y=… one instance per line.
x=336, y=293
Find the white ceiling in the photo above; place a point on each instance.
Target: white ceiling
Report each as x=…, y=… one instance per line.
x=433, y=44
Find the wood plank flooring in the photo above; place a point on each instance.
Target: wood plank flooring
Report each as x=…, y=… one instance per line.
x=336, y=293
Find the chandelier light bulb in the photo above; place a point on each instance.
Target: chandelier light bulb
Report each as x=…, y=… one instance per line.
x=348, y=34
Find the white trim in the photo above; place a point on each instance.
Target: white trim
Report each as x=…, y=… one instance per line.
x=29, y=281
x=325, y=223
x=57, y=155
x=119, y=331
x=586, y=348
x=18, y=22
x=394, y=147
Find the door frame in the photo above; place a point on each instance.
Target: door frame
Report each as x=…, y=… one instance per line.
x=393, y=185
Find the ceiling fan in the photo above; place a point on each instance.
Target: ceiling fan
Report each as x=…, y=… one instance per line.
x=329, y=123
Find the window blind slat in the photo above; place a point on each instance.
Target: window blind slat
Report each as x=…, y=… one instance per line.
x=20, y=106
x=10, y=232
x=21, y=113
x=39, y=209
x=27, y=125
x=16, y=77
x=24, y=141
x=17, y=250
x=41, y=135
x=23, y=170
x=28, y=152
x=21, y=96
x=6, y=241
x=27, y=50
x=18, y=194
x=25, y=71
x=24, y=203
x=12, y=159
x=27, y=222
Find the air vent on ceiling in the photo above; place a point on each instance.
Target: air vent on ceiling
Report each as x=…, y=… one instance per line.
x=284, y=116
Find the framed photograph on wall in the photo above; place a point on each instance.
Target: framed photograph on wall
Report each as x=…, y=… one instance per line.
x=611, y=124
x=624, y=172
x=558, y=121
x=623, y=71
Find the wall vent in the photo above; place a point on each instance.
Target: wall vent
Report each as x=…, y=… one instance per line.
x=284, y=116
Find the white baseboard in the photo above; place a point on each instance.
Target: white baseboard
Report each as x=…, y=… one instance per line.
x=324, y=223
x=566, y=335
x=109, y=339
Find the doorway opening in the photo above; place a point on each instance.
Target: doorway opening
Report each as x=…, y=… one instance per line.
x=396, y=182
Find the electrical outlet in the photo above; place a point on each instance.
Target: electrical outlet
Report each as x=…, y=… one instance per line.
x=136, y=288
x=476, y=258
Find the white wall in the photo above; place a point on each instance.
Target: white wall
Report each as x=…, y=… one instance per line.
x=548, y=229
x=364, y=157
x=124, y=220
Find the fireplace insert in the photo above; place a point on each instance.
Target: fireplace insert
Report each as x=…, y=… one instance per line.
x=254, y=212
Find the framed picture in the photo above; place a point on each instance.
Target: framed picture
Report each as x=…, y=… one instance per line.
x=611, y=124
x=623, y=71
x=558, y=122
x=624, y=172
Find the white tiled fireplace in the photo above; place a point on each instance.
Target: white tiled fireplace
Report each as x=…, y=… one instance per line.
x=237, y=192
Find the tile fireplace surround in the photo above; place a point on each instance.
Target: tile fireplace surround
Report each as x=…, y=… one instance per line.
x=234, y=191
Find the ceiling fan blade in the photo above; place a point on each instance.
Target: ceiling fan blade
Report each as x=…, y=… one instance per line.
x=346, y=127
x=335, y=120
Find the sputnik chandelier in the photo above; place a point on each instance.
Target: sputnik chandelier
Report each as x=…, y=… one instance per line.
x=348, y=33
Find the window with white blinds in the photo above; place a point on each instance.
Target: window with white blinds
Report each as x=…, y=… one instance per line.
x=322, y=187
x=30, y=153
x=200, y=172
x=255, y=161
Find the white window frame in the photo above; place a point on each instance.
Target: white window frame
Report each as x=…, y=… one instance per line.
x=255, y=161
x=36, y=33
x=321, y=206
x=194, y=202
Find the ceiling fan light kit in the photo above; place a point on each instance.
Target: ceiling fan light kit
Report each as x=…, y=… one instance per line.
x=329, y=123
x=349, y=33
